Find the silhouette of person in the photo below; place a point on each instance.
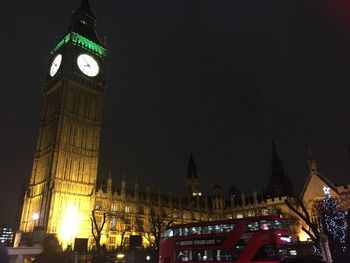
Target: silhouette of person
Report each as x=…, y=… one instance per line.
x=52, y=251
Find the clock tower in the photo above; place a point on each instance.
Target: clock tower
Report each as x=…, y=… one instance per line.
x=59, y=196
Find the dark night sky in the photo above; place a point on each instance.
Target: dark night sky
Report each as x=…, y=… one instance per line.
x=220, y=79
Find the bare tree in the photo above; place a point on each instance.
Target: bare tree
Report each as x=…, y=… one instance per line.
x=98, y=220
x=122, y=217
x=158, y=223
x=298, y=207
x=315, y=230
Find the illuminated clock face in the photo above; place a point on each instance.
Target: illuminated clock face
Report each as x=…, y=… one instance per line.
x=55, y=65
x=88, y=65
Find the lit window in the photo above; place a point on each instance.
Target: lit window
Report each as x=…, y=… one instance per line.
x=127, y=209
x=112, y=224
x=251, y=213
x=239, y=216
x=265, y=212
x=114, y=207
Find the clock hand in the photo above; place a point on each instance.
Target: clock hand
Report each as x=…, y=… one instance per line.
x=87, y=63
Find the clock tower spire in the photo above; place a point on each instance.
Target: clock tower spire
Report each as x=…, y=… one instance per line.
x=85, y=8
x=83, y=22
x=59, y=195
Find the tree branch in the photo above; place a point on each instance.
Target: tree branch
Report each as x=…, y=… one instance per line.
x=309, y=234
x=306, y=218
x=295, y=210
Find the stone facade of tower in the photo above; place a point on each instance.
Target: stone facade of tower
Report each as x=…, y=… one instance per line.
x=59, y=196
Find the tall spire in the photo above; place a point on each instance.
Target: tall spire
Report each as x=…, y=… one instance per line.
x=275, y=158
x=191, y=168
x=83, y=22
x=136, y=189
x=123, y=186
x=279, y=184
x=109, y=183
x=192, y=178
x=85, y=8
x=274, y=152
x=313, y=167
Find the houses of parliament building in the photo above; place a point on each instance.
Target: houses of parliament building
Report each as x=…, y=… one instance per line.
x=63, y=190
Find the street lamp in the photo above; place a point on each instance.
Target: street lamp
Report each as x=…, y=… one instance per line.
x=35, y=216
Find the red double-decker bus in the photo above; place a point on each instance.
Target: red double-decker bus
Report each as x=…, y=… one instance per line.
x=253, y=239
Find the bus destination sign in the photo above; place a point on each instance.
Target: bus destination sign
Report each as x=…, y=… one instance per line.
x=199, y=242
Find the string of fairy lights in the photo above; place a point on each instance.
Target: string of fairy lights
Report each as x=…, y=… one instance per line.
x=334, y=219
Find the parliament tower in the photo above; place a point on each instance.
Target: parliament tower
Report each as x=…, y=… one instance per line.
x=59, y=197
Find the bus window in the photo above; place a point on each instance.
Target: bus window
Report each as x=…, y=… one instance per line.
x=195, y=230
x=213, y=229
x=205, y=255
x=182, y=256
x=208, y=255
x=227, y=227
x=280, y=225
x=217, y=229
x=265, y=225
x=168, y=233
x=254, y=226
x=207, y=230
x=177, y=232
x=197, y=255
x=185, y=231
x=223, y=255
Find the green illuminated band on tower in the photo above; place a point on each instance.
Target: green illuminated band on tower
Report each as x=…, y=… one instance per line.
x=82, y=42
